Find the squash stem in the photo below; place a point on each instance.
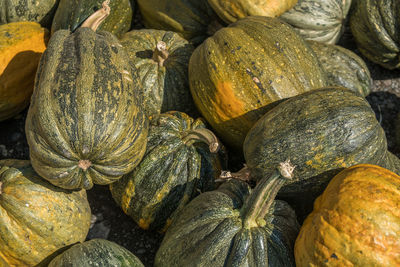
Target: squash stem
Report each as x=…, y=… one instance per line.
x=94, y=20
x=203, y=135
x=243, y=174
x=258, y=204
x=160, y=54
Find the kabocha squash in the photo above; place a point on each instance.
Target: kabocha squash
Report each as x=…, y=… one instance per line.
x=180, y=162
x=192, y=19
x=355, y=222
x=71, y=14
x=233, y=226
x=85, y=123
x=236, y=74
x=96, y=252
x=317, y=20
x=375, y=26
x=343, y=67
x=21, y=46
x=162, y=59
x=37, y=218
x=232, y=10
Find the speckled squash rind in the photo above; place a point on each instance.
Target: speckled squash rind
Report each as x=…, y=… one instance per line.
x=317, y=20
x=343, y=67
x=176, y=167
x=37, y=218
x=165, y=80
x=96, y=252
x=21, y=46
x=241, y=70
x=355, y=222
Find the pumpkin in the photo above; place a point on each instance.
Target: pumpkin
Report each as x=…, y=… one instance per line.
x=374, y=25
x=96, y=252
x=162, y=59
x=317, y=20
x=233, y=226
x=343, y=67
x=179, y=163
x=232, y=10
x=85, y=123
x=71, y=14
x=21, y=46
x=355, y=222
x=192, y=19
x=37, y=218
x=41, y=11
x=245, y=68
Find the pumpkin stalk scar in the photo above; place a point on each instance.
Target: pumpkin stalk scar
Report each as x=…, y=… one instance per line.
x=203, y=135
x=160, y=54
x=84, y=164
x=94, y=20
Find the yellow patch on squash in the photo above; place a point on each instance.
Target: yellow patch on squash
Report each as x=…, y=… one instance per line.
x=227, y=106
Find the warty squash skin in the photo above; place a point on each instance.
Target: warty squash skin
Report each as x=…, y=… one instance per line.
x=21, y=46
x=162, y=59
x=86, y=123
x=355, y=222
x=233, y=226
x=241, y=70
x=37, y=218
x=181, y=161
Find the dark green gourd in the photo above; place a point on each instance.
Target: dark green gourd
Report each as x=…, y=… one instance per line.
x=234, y=226
x=86, y=123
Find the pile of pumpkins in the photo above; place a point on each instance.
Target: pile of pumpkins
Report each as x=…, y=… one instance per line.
x=154, y=114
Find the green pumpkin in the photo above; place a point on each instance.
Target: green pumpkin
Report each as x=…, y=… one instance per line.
x=236, y=75
x=37, y=218
x=233, y=226
x=162, y=59
x=86, y=123
x=96, y=252
x=375, y=26
x=343, y=67
x=179, y=163
x=317, y=20
x=71, y=14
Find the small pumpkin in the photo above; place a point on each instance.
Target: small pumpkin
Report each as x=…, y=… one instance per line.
x=179, y=163
x=317, y=20
x=233, y=226
x=162, y=59
x=21, y=46
x=71, y=14
x=232, y=10
x=85, y=124
x=355, y=222
x=96, y=252
x=37, y=218
x=236, y=75
x=374, y=25
x=343, y=67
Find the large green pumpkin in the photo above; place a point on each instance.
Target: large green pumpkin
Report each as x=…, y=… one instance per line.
x=162, y=59
x=238, y=72
x=179, y=163
x=375, y=26
x=233, y=226
x=37, y=218
x=71, y=13
x=86, y=123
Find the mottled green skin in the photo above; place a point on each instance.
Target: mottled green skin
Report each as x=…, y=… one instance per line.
x=165, y=87
x=210, y=231
x=375, y=25
x=41, y=11
x=171, y=173
x=190, y=18
x=317, y=20
x=71, y=14
x=322, y=132
x=86, y=106
x=96, y=252
x=343, y=67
